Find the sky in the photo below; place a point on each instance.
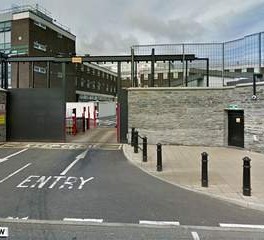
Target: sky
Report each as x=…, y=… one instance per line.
x=112, y=26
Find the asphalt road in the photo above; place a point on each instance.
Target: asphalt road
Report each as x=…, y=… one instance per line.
x=101, y=185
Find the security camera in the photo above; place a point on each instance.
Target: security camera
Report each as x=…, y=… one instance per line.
x=254, y=97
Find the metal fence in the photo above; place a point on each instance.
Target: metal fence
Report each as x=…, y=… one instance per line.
x=231, y=61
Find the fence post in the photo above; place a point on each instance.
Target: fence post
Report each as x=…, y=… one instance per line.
x=159, y=157
x=145, y=149
x=83, y=122
x=132, y=136
x=246, y=177
x=136, y=142
x=88, y=119
x=204, y=169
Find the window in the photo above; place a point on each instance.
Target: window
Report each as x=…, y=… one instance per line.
x=41, y=25
x=5, y=26
x=40, y=69
x=40, y=46
x=59, y=74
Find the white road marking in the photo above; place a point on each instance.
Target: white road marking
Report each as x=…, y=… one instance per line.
x=227, y=225
x=81, y=156
x=195, y=236
x=159, y=223
x=83, y=220
x=12, y=155
x=83, y=181
x=61, y=182
x=17, y=218
x=14, y=173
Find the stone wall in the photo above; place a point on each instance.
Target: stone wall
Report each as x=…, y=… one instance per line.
x=195, y=116
x=2, y=115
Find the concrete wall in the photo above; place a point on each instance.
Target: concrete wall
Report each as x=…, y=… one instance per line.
x=2, y=115
x=195, y=116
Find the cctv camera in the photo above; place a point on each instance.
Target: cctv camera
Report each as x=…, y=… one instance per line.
x=254, y=97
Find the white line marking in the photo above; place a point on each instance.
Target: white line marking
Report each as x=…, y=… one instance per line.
x=81, y=156
x=17, y=218
x=195, y=236
x=14, y=173
x=84, y=220
x=159, y=223
x=12, y=155
x=227, y=225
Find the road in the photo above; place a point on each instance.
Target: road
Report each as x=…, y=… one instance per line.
x=98, y=185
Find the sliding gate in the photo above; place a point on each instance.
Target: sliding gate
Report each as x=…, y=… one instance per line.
x=35, y=115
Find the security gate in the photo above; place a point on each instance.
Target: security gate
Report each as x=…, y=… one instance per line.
x=236, y=128
x=35, y=115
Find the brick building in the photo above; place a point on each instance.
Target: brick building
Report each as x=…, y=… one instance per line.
x=31, y=31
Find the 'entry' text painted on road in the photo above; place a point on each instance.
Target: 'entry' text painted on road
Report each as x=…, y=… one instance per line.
x=59, y=182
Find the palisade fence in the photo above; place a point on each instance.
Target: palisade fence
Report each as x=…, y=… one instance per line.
x=229, y=62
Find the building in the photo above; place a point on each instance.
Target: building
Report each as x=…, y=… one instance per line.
x=31, y=31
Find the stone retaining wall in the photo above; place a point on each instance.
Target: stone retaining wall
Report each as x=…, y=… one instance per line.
x=196, y=116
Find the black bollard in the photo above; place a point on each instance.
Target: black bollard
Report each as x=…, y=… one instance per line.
x=135, y=142
x=132, y=136
x=145, y=149
x=246, y=177
x=204, y=169
x=159, y=158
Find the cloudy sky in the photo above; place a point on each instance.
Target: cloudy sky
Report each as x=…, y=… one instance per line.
x=112, y=26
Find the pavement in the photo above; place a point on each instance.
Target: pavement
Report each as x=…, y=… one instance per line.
x=182, y=167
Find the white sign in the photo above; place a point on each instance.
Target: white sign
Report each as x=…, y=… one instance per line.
x=3, y=232
x=59, y=182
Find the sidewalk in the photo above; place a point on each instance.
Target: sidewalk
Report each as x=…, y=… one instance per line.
x=182, y=167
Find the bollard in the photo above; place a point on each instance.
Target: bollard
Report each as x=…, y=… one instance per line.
x=132, y=136
x=135, y=142
x=246, y=177
x=145, y=149
x=204, y=169
x=159, y=158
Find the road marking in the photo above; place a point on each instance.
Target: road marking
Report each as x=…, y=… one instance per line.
x=81, y=156
x=227, y=225
x=14, y=173
x=3, y=232
x=12, y=155
x=61, y=182
x=159, y=223
x=84, y=220
x=17, y=218
x=195, y=236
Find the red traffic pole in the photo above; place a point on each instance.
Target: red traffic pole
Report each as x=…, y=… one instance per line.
x=88, y=119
